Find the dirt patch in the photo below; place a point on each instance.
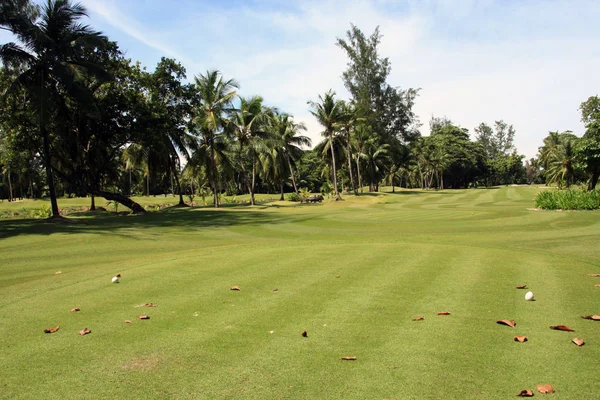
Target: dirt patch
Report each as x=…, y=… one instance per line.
x=149, y=362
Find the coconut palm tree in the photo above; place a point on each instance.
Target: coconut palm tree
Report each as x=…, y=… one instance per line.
x=557, y=156
x=330, y=114
x=375, y=156
x=212, y=103
x=249, y=126
x=362, y=133
x=50, y=60
x=347, y=125
x=290, y=142
x=561, y=162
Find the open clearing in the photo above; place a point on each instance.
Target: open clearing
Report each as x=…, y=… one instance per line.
x=398, y=256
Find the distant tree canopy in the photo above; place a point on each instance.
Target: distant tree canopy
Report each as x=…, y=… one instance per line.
x=79, y=118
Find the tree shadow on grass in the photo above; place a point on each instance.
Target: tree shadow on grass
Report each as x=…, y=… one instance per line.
x=107, y=223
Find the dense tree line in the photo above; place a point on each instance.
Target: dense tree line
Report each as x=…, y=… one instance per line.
x=78, y=118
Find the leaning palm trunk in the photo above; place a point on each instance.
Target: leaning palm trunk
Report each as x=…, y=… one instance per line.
x=292, y=175
x=335, y=187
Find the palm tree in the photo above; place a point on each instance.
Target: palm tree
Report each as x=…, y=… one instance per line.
x=213, y=101
x=375, y=156
x=561, y=163
x=50, y=60
x=290, y=142
x=249, y=126
x=361, y=134
x=330, y=114
x=557, y=156
x=136, y=157
x=350, y=118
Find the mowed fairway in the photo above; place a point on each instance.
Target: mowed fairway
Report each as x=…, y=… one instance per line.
x=398, y=256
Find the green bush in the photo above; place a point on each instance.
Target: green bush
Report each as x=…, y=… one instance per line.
x=293, y=197
x=304, y=193
x=570, y=199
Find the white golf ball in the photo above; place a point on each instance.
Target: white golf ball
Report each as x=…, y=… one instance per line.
x=115, y=279
x=529, y=296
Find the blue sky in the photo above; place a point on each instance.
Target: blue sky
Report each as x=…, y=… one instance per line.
x=528, y=62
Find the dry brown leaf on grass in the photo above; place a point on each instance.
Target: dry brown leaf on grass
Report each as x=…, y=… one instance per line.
x=507, y=322
x=304, y=334
x=127, y=321
x=592, y=317
x=143, y=316
x=350, y=358
x=75, y=309
x=276, y=290
x=150, y=305
x=562, y=328
x=58, y=273
x=525, y=393
x=443, y=313
x=421, y=318
x=520, y=339
x=595, y=275
x=51, y=330
x=522, y=287
x=578, y=342
x=597, y=285
x=84, y=331
x=337, y=276
x=235, y=288
x=545, y=389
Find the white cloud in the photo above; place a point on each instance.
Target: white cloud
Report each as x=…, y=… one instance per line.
x=529, y=62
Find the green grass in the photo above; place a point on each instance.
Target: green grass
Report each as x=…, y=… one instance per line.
x=398, y=256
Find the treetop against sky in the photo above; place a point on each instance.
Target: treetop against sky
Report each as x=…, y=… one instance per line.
x=530, y=63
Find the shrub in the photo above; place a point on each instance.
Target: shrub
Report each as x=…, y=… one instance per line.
x=304, y=193
x=570, y=199
x=293, y=197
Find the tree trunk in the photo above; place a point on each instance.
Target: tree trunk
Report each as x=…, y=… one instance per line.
x=292, y=174
x=247, y=181
x=335, y=186
x=119, y=198
x=49, y=175
x=253, y=181
x=30, y=189
x=594, y=179
x=124, y=200
x=148, y=183
x=281, y=183
x=10, y=191
x=358, y=173
x=93, y=204
x=130, y=182
x=350, y=167
x=213, y=166
x=181, y=202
